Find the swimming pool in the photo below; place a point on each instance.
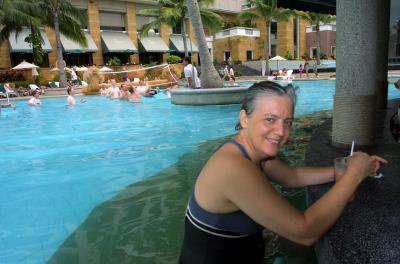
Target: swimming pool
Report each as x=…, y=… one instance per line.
x=59, y=162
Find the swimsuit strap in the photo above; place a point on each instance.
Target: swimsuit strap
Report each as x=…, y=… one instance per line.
x=240, y=146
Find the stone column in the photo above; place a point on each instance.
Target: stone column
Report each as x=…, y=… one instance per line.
x=5, y=58
x=51, y=35
x=262, y=26
x=382, y=50
x=354, y=115
x=302, y=37
x=164, y=33
x=285, y=41
x=131, y=28
x=94, y=28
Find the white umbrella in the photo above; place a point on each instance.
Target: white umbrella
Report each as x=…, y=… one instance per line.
x=81, y=68
x=104, y=69
x=277, y=59
x=34, y=72
x=25, y=65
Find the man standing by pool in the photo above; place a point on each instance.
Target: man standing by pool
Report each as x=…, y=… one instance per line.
x=190, y=72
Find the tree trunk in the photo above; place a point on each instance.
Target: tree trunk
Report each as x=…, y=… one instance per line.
x=209, y=75
x=267, y=51
x=60, y=60
x=184, y=37
x=318, y=44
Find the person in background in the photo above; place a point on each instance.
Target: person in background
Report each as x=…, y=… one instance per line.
x=34, y=101
x=190, y=72
x=301, y=69
x=8, y=105
x=233, y=198
x=232, y=74
x=114, y=90
x=306, y=67
x=71, y=96
x=315, y=68
x=74, y=77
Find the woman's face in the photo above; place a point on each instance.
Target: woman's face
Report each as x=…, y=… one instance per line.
x=270, y=123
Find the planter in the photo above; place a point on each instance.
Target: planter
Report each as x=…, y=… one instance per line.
x=210, y=96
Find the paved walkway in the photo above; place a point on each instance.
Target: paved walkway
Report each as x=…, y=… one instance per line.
x=368, y=231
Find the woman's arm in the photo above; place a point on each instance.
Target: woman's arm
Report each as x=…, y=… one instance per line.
x=249, y=191
x=293, y=177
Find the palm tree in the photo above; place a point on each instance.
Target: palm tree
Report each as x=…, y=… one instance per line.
x=316, y=19
x=64, y=18
x=209, y=75
x=174, y=13
x=268, y=11
x=14, y=15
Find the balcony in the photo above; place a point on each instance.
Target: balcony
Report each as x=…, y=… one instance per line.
x=238, y=31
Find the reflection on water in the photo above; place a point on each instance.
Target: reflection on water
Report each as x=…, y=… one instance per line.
x=144, y=222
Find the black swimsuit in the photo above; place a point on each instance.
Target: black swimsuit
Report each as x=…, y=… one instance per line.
x=221, y=238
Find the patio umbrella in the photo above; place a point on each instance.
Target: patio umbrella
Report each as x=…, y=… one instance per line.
x=81, y=68
x=34, y=72
x=277, y=59
x=25, y=65
x=104, y=69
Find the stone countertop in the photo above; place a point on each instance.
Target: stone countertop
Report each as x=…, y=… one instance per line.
x=368, y=231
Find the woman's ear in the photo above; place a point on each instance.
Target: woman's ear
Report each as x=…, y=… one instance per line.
x=243, y=118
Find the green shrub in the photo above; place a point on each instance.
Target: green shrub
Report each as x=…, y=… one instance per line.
x=11, y=76
x=24, y=84
x=288, y=55
x=174, y=59
x=114, y=61
x=152, y=74
x=323, y=56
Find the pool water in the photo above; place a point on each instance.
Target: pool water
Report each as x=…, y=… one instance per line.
x=64, y=168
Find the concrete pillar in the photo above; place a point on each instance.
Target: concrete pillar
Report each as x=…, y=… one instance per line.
x=51, y=35
x=5, y=58
x=131, y=28
x=302, y=37
x=165, y=32
x=94, y=28
x=354, y=115
x=262, y=26
x=285, y=41
x=382, y=49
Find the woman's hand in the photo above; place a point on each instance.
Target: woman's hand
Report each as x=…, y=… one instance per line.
x=362, y=164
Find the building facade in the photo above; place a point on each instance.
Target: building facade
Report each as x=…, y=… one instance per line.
x=327, y=35
x=113, y=31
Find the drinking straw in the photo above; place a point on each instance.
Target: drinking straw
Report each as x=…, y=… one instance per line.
x=352, y=148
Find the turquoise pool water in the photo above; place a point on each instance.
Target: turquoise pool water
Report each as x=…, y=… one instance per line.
x=59, y=162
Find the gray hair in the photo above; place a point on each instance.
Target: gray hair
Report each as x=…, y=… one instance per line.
x=265, y=88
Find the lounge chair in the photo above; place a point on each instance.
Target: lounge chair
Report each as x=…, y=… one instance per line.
x=33, y=87
x=3, y=92
x=10, y=92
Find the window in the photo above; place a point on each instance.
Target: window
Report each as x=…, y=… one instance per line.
x=142, y=20
x=249, y=31
x=274, y=29
x=177, y=29
x=333, y=51
x=227, y=54
x=249, y=55
x=112, y=21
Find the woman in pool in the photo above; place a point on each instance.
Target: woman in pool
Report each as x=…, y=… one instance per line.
x=233, y=198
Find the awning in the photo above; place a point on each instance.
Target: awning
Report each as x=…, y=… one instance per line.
x=117, y=41
x=70, y=46
x=152, y=44
x=19, y=45
x=317, y=6
x=176, y=44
